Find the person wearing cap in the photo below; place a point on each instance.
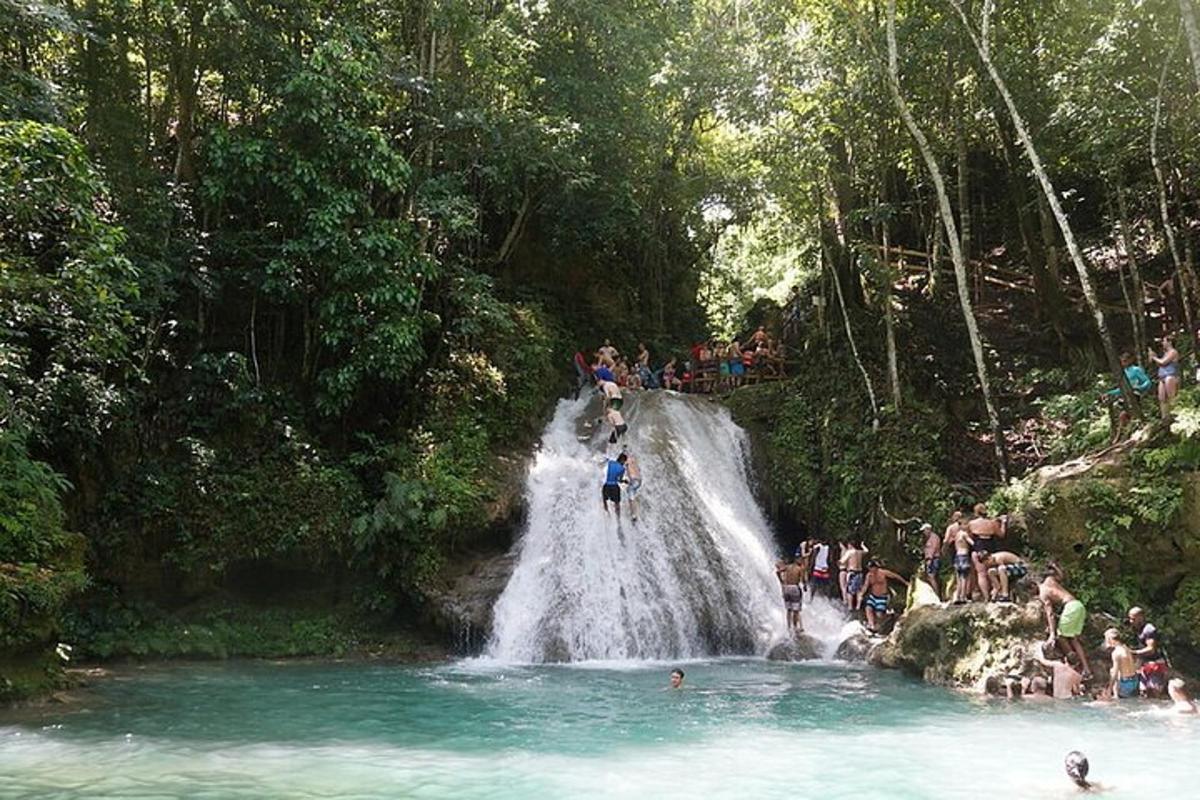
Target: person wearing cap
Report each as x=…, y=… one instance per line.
x=933, y=556
x=790, y=574
x=875, y=592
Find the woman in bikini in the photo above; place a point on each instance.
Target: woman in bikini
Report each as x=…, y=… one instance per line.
x=1168, y=375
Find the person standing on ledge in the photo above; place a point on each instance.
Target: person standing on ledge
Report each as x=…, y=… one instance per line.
x=611, y=493
x=790, y=575
x=875, y=592
x=1069, y=625
x=933, y=556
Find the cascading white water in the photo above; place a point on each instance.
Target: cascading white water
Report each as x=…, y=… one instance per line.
x=693, y=577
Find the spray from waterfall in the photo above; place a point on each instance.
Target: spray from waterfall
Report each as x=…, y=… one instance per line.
x=693, y=577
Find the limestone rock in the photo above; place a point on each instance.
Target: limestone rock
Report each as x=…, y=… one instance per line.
x=801, y=647
x=460, y=606
x=855, y=648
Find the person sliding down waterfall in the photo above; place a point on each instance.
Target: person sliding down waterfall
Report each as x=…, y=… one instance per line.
x=875, y=593
x=614, y=471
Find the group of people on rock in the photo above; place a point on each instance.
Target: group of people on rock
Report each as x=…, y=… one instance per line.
x=717, y=366
x=862, y=581
x=986, y=570
x=1167, y=377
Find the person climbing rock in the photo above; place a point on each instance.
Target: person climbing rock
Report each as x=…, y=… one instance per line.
x=1123, y=675
x=619, y=428
x=1141, y=384
x=1065, y=680
x=614, y=471
x=790, y=574
x=1069, y=624
x=1152, y=658
x=1003, y=568
x=874, y=594
x=612, y=394
x=633, y=472
x=986, y=533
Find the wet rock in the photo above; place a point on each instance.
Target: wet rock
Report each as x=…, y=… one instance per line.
x=801, y=647
x=460, y=606
x=855, y=648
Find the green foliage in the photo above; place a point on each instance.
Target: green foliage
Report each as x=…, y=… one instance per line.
x=1184, y=612
x=144, y=631
x=39, y=569
x=64, y=286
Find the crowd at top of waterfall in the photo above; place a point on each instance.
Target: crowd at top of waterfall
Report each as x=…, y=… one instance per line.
x=985, y=569
x=709, y=366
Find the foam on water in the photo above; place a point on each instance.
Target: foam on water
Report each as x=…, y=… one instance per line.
x=693, y=577
x=742, y=728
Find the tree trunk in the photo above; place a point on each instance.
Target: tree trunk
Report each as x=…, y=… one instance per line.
x=964, y=199
x=837, y=284
x=1064, y=224
x=952, y=238
x=1193, y=35
x=889, y=321
x=1185, y=280
x=1135, y=273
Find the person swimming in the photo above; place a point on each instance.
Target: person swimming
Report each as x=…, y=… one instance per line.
x=1076, y=764
x=676, y=679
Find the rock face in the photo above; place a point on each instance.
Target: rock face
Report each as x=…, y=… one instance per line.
x=961, y=646
x=802, y=647
x=856, y=648
x=460, y=606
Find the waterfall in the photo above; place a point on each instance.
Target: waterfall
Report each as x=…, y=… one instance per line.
x=693, y=577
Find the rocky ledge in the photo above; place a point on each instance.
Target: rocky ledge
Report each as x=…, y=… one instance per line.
x=962, y=646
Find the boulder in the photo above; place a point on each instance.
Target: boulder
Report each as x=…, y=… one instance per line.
x=800, y=647
x=855, y=648
x=460, y=605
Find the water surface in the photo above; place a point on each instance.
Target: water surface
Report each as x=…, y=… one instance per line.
x=741, y=728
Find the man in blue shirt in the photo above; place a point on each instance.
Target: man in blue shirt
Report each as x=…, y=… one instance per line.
x=1139, y=381
x=614, y=471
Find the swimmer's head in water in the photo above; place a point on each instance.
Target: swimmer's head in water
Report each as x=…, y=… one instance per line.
x=676, y=678
x=1077, y=768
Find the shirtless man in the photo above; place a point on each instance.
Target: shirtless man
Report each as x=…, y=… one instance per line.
x=1003, y=568
x=1124, y=675
x=852, y=564
x=1066, y=681
x=633, y=473
x=933, y=556
x=790, y=575
x=875, y=590
x=963, y=542
x=1037, y=690
x=805, y=551
x=1181, y=702
x=1069, y=624
x=608, y=353
x=985, y=531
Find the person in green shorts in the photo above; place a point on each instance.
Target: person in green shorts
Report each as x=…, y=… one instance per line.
x=1068, y=625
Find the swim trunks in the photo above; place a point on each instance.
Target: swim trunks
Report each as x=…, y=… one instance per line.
x=611, y=492
x=736, y=368
x=1016, y=571
x=820, y=575
x=793, y=599
x=984, y=545
x=1127, y=687
x=854, y=581
x=632, y=489
x=616, y=403
x=933, y=566
x=1070, y=622
x=1154, y=676
x=724, y=369
x=877, y=603
x=962, y=564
